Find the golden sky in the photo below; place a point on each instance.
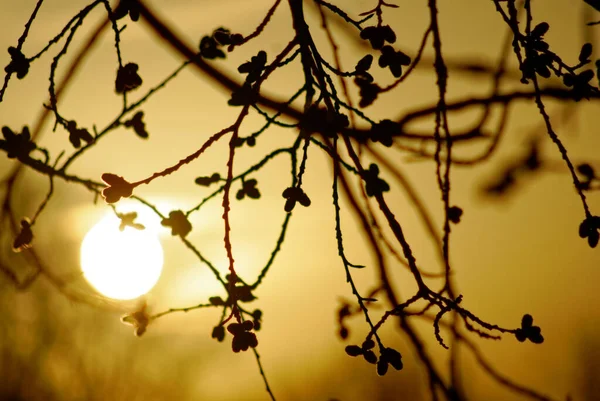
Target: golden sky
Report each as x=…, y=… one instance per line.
x=517, y=255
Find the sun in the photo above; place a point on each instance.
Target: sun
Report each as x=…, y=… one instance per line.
x=121, y=264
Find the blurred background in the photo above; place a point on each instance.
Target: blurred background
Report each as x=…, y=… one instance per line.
x=514, y=254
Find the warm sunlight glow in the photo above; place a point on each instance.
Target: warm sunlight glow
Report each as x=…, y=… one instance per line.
x=121, y=264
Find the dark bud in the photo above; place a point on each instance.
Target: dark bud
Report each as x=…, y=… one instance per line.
x=586, y=52
x=244, y=341
x=454, y=214
x=368, y=90
x=368, y=344
x=378, y=35
x=236, y=39
x=293, y=195
x=178, y=223
x=528, y=331
x=76, y=135
x=138, y=125
x=382, y=367
x=128, y=78
x=243, y=293
x=209, y=48
x=370, y=356
x=364, y=63
x=354, y=350
x=218, y=333
x=125, y=7
x=257, y=314
x=222, y=36
x=589, y=229
x=235, y=328
x=521, y=335
x=206, y=181
x=540, y=30
x=393, y=357
x=248, y=189
x=247, y=325
x=225, y=38
x=243, y=338
x=394, y=60
x=254, y=67
x=384, y=132
x=535, y=335
x=343, y=333
x=17, y=145
x=217, y=301
x=587, y=171
x=374, y=185
x=128, y=220
x=18, y=63
x=388, y=34
x=117, y=188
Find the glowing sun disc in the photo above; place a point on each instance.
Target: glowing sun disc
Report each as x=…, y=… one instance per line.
x=121, y=264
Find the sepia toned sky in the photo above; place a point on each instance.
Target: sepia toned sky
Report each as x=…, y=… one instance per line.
x=514, y=255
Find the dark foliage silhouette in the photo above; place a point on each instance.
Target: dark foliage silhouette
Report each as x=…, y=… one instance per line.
x=324, y=116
